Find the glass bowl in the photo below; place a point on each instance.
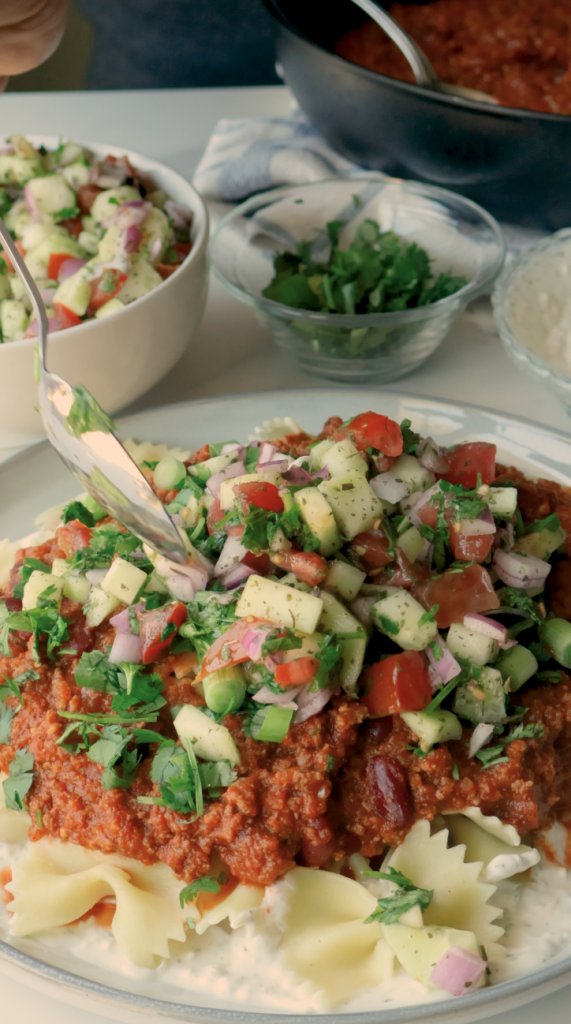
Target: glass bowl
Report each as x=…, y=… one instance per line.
x=532, y=310
x=458, y=235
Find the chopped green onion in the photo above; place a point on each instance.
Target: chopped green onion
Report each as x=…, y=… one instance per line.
x=170, y=473
x=271, y=724
x=441, y=694
x=555, y=635
x=94, y=507
x=224, y=691
x=518, y=665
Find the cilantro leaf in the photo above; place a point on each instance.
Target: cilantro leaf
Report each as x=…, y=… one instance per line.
x=12, y=686
x=6, y=715
x=94, y=671
x=391, y=908
x=29, y=566
x=207, y=619
x=77, y=510
x=190, y=892
x=19, y=781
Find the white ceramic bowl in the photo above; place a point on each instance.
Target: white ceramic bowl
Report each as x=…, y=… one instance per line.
x=118, y=357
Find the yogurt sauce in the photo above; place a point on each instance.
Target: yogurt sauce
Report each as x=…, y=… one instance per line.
x=238, y=969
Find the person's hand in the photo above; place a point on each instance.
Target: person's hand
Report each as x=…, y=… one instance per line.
x=30, y=31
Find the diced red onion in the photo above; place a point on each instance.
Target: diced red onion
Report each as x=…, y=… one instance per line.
x=214, y=482
x=133, y=237
x=507, y=644
x=181, y=587
x=69, y=267
x=270, y=458
x=238, y=575
x=7, y=151
x=47, y=295
x=254, y=640
x=435, y=680
x=267, y=451
x=135, y=203
x=96, y=576
x=520, y=570
x=31, y=203
x=177, y=519
x=479, y=738
x=299, y=476
x=285, y=699
x=155, y=249
x=458, y=971
x=505, y=537
x=446, y=665
x=126, y=647
x=486, y=626
x=482, y=526
x=388, y=487
x=54, y=324
x=121, y=620
x=181, y=216
x=361, y=608
x=431, y=456
x=423, y=498
x=310, y=704
x=234, y=448
x=231, y=555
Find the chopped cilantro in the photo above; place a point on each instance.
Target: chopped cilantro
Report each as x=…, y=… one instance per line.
x=19, y=780
x=207, y=620
x=410, y=439
x=190, y=892
x=29, y=566
x=456, y=773
x=520, y=600
x=391, y=908
x=285, y=641
x=67, y=213
x=77, y=510
x=12, y=686
x=429, y=616
x=6, y=715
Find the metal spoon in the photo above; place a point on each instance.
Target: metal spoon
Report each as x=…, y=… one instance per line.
x=422, y=69
x=85, y=442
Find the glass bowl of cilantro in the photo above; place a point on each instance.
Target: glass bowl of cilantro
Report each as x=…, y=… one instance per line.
x=360, y=278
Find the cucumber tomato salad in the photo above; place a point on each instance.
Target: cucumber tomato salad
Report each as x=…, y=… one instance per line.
x=96, y=234
x=364, y=654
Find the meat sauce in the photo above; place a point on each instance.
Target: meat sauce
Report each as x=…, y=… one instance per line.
x=337, y=784
x=515, y=50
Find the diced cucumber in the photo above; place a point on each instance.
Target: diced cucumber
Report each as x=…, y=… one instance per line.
x=94, y=507
x=6, y=288
x=404, y=620
x=75, y=292
x=52, y=194
x=204, y=470
x=343, y=457
x=124, y=581
x=89, y=241
x=318, y=515
x=279, y=541
x=113, y=306
x=14, y=319
x=98, y=606
x=37, y=259
x=483, y=698
x=76, y=174
x=475, y=647
x=319, y=450
x=378, y=590
x=37, y=232
x=555, y=636
x=437, y=727
x=227, y=495
x=542, y=538
x=106, y=203
x=141, y=279
x=109, y=244
x=41, y=584
x=411, y=543
x=418, y=950
x=284, y=606
x=18, y=218
x=77, y=588
x=354, y=503
x=156, y=232
x=408, y=469
x=59, y=567
x=517, y=666
x=211, y=741
x=345, y=578
x=503, y=501
x=155, y=584
x=18, y=170
x=337, y=619
x=289, y=580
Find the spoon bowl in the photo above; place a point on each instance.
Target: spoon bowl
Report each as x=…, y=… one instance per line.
x=82, y=434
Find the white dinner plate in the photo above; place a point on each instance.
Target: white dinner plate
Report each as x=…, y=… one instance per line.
x=35, y=480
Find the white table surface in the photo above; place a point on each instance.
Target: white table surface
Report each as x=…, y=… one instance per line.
x=232, y=353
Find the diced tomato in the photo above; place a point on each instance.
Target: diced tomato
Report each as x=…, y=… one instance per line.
x=183, y=249
x=372, y=547
x=55, y=261
x=399, y=683
x=4, y=255
x=66, y=316
x=293, y=673
x=457, y=592
x=259, y=563
x=261, y=494
x=470, y=459
x=86, y=196
x=226, y=650
x=154, y=624
x=201, y=455
x=215, y=514
x=470, y=549
x=73, y=537
x=308, y=566
x=405, y=573
x=428, y=512
x=166, y=269
x=106, y=287
x=73, y=225
x=371, y=430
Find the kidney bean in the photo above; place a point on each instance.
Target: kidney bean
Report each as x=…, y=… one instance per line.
x=391, y=795
x=377, y=729
x=314, y=854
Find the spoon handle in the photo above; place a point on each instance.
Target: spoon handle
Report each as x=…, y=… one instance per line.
x=30, y=286
x=422, y=69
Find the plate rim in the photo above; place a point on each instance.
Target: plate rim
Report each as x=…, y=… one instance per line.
x=511, y=993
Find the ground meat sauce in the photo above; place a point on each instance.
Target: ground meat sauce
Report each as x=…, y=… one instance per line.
x=515, y=50
x=338, y=783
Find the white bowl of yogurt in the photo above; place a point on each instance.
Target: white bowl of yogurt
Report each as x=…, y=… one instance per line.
x=532, y=309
